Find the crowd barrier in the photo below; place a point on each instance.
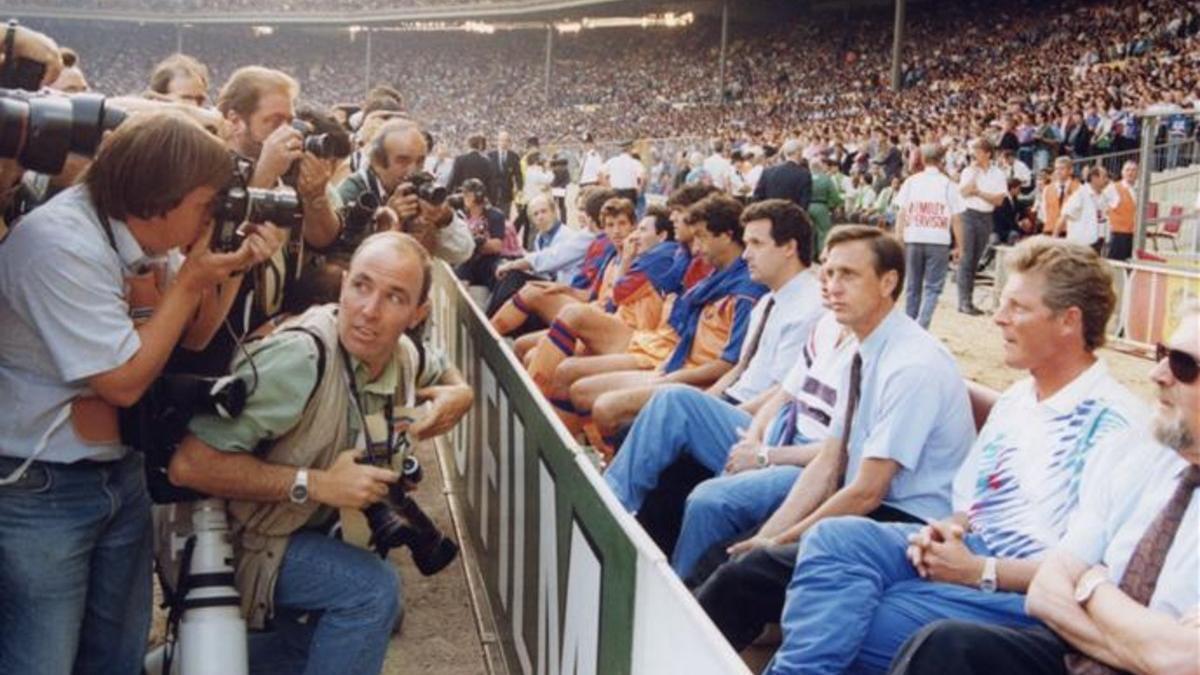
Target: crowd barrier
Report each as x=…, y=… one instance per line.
x=576, y=587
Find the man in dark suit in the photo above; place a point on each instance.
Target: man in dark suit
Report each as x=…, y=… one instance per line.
x=507, y=167
x=789, y=180
x=473, y=164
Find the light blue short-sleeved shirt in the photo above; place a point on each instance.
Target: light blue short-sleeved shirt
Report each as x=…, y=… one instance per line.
x=913, y=409
x=796, y=310
x=63, y=319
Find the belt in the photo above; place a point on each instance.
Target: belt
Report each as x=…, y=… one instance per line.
x=77, y=464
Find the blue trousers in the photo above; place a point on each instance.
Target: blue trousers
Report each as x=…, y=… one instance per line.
x=75, y=548
x=724, y=507
x=335, y=608
x=677, y=420
x=925, y=273
x=854, y=599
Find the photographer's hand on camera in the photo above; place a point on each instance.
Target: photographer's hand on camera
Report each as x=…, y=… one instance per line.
x=261, y=241
x=284, y=146
x=349, y=484
x=35, y=46
x=204, y=268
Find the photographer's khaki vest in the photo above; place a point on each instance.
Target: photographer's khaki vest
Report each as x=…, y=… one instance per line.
x=261, y=529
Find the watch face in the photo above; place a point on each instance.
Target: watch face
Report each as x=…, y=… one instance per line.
x=299, y=493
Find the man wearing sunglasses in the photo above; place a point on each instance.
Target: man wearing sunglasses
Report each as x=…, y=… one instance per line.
x=1121, y=592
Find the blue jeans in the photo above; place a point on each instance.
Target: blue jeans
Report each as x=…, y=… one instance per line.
x=925, y=274
x=854, y=599
x=677, y=420
x=335, y=608
x=75, y=550
x=724, y=507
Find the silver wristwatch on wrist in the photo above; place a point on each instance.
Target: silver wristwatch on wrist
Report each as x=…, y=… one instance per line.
x=762, y=459
x=298, y=493
x=987, y=582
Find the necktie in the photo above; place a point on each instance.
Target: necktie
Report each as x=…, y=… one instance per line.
x=851, y=407
x=1141, y=575
x=757, y=337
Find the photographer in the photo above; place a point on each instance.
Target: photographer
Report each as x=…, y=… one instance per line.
x=259, y=104
x=487, y=230
x=395, y=153
x=75, y=535
x=325, y=379
x=258, y=108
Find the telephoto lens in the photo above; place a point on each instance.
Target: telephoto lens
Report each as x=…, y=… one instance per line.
x=325, y=146
x=237, y=205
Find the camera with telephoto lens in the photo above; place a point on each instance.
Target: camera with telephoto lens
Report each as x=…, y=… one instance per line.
x=239, y=204
x=325, y=146
x=360, y=215
x=39, y=131
x=424, y=185
x=399, y=521
x=157, y=423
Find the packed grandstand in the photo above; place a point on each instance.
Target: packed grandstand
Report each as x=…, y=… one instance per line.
x=969, y=64
x=808, y=337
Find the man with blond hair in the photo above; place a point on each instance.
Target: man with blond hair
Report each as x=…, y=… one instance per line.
x=1120, y=591
x=860, y=588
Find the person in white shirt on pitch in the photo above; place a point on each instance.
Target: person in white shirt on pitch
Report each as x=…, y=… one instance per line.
x=1086, y=212
x=929, y=208
x=718, y=167
x=984, y=186
x=625, y=174
x=589, y=166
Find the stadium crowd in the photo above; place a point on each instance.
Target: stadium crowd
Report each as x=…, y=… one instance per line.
x=1046, y=64
x=341, y=7
x=750, y=358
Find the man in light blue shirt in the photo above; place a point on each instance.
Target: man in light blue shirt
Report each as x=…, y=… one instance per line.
x=891, y=456
x=76, y=345
x=860, y=588
x=558, y=249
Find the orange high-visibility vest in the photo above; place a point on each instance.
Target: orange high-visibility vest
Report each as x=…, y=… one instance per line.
x=1122, y=216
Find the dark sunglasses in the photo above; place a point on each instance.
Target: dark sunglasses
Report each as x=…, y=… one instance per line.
x=1184, y=367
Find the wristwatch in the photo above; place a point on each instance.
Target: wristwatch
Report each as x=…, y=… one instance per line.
x=987, y=582
x=762, y=459
x=1089, y=583
x=298, y=493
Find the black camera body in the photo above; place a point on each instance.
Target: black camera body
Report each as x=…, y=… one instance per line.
x=238, y=204
x=325, y=146
x=424, y=185
x=40, y=130
x=400, y=521
x=360, y=216
x=157, y=423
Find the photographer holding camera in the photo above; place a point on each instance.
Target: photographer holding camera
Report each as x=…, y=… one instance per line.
x=89, y=321
x=390, y=180
x=258, y=106
x=324, y=381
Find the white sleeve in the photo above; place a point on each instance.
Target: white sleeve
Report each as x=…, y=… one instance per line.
x=454, y=242
x=1073, y=209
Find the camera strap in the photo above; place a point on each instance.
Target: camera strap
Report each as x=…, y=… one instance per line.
x=388, y=411
x=10, y=46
